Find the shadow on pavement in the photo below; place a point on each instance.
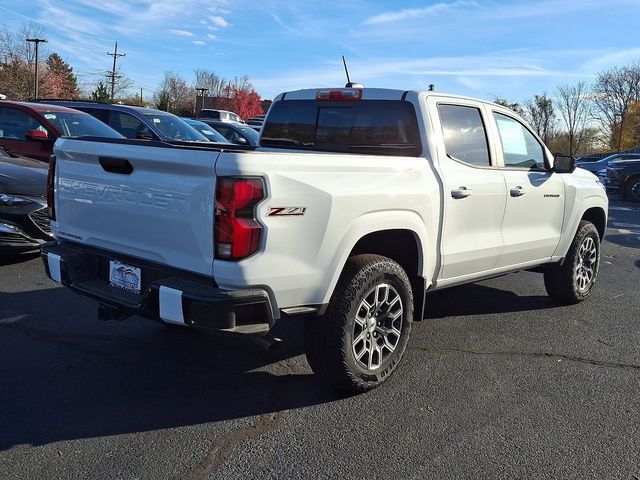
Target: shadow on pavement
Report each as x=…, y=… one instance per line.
x=12, y=258
x=476, y=299
x=66, y=375
x=624, y=240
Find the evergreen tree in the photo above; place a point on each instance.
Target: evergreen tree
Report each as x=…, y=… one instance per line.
x=101, y=93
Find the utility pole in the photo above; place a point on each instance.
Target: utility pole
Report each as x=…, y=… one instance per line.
x=112, y=74
x=141, y=101
x=37, y=41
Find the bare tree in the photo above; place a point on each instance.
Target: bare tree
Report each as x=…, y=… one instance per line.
x=614, y=92
x=13, y=43
x=539, y=113
x=215, y=84
x=174, y=95
x=515, y=106
x=241, y=84
x=122, y=86
x=17, y=60
x=574, y=104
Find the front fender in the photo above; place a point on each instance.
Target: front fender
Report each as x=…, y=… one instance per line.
x=572, y=221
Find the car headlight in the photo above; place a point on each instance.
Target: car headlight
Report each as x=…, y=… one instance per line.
x=8, y=200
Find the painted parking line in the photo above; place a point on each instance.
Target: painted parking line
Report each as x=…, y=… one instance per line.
x=623, y=231
x=625, y=225
x=623, y=209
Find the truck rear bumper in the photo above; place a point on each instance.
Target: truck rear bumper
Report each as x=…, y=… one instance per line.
x=166, y=294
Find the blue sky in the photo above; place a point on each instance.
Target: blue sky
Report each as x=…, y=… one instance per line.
x=482, y=48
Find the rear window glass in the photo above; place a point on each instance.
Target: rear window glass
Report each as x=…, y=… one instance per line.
x=385, y=127
x=73, y=124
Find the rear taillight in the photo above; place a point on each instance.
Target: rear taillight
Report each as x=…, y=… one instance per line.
x=339, y=95
x=51, y=208
x=237, y=234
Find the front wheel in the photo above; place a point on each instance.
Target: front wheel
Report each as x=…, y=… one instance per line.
x=359, y=342
x=572, y=281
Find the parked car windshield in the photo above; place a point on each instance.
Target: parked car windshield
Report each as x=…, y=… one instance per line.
x=207, y=130
x=74, y=124
x=383, y=127
x=175, y=128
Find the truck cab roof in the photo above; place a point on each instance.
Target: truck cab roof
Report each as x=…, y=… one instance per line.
x=371, y=94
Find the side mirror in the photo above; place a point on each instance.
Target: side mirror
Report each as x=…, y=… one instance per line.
x=36, y=135
x=564, y=164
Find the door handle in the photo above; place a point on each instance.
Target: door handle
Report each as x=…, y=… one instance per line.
x=116, y=165
x=461, y=192
x=517, y=192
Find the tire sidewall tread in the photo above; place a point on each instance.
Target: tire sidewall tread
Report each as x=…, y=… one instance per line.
x=560, y=281
x=328, y=338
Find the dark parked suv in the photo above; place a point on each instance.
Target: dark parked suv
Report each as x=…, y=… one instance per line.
x=30, y=129
x=137, y=122
x=623, y=177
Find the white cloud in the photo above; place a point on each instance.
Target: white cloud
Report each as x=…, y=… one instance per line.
x=411, y=13
x=211, y=37
x=608, y=59
x=402, y=73
x=218, y=21
x=181, y=33
x=198, y=42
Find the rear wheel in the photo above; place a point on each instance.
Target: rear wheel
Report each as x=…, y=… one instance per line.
x=632, y=190
x=359, y=342
x=572, y=281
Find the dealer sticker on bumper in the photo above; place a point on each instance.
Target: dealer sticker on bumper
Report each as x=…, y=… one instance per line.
x=124, y=276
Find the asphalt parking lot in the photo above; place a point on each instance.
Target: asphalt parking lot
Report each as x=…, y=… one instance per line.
x=499, y=382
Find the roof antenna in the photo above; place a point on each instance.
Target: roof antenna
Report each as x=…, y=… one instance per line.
x=349, y=83
x=432, y=87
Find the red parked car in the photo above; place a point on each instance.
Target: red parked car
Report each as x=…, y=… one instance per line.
x=31, y=129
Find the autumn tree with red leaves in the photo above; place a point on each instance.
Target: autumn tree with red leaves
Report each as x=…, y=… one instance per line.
x=245, y=103
x=59, y=80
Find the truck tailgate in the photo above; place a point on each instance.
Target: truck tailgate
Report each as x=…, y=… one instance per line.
x=161, y=211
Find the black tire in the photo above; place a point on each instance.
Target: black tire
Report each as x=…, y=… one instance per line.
x=632, y=190
x=329, y=340
x=572, y=281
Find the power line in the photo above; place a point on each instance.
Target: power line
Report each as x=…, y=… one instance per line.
x=112, y=74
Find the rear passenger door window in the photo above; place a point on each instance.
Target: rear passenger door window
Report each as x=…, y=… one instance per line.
x=464, y=134
x=128, y=125
x=99, y=113
x=520, y=149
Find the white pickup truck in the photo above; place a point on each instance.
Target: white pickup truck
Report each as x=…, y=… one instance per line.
x=357, y=203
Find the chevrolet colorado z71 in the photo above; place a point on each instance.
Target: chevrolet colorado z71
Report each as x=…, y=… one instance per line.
x=356, y=204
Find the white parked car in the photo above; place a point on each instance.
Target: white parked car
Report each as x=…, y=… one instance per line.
x=219, y=115
x=356, y=205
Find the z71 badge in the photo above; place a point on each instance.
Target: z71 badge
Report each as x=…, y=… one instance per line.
x=285, y=211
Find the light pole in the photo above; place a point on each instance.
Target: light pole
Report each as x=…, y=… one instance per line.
x=617, y=116
x=201, y=91
x=37, y=41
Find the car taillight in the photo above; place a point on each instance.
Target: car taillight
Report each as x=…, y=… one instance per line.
x=339, y=95
x=51, y=208
x=237, y=234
